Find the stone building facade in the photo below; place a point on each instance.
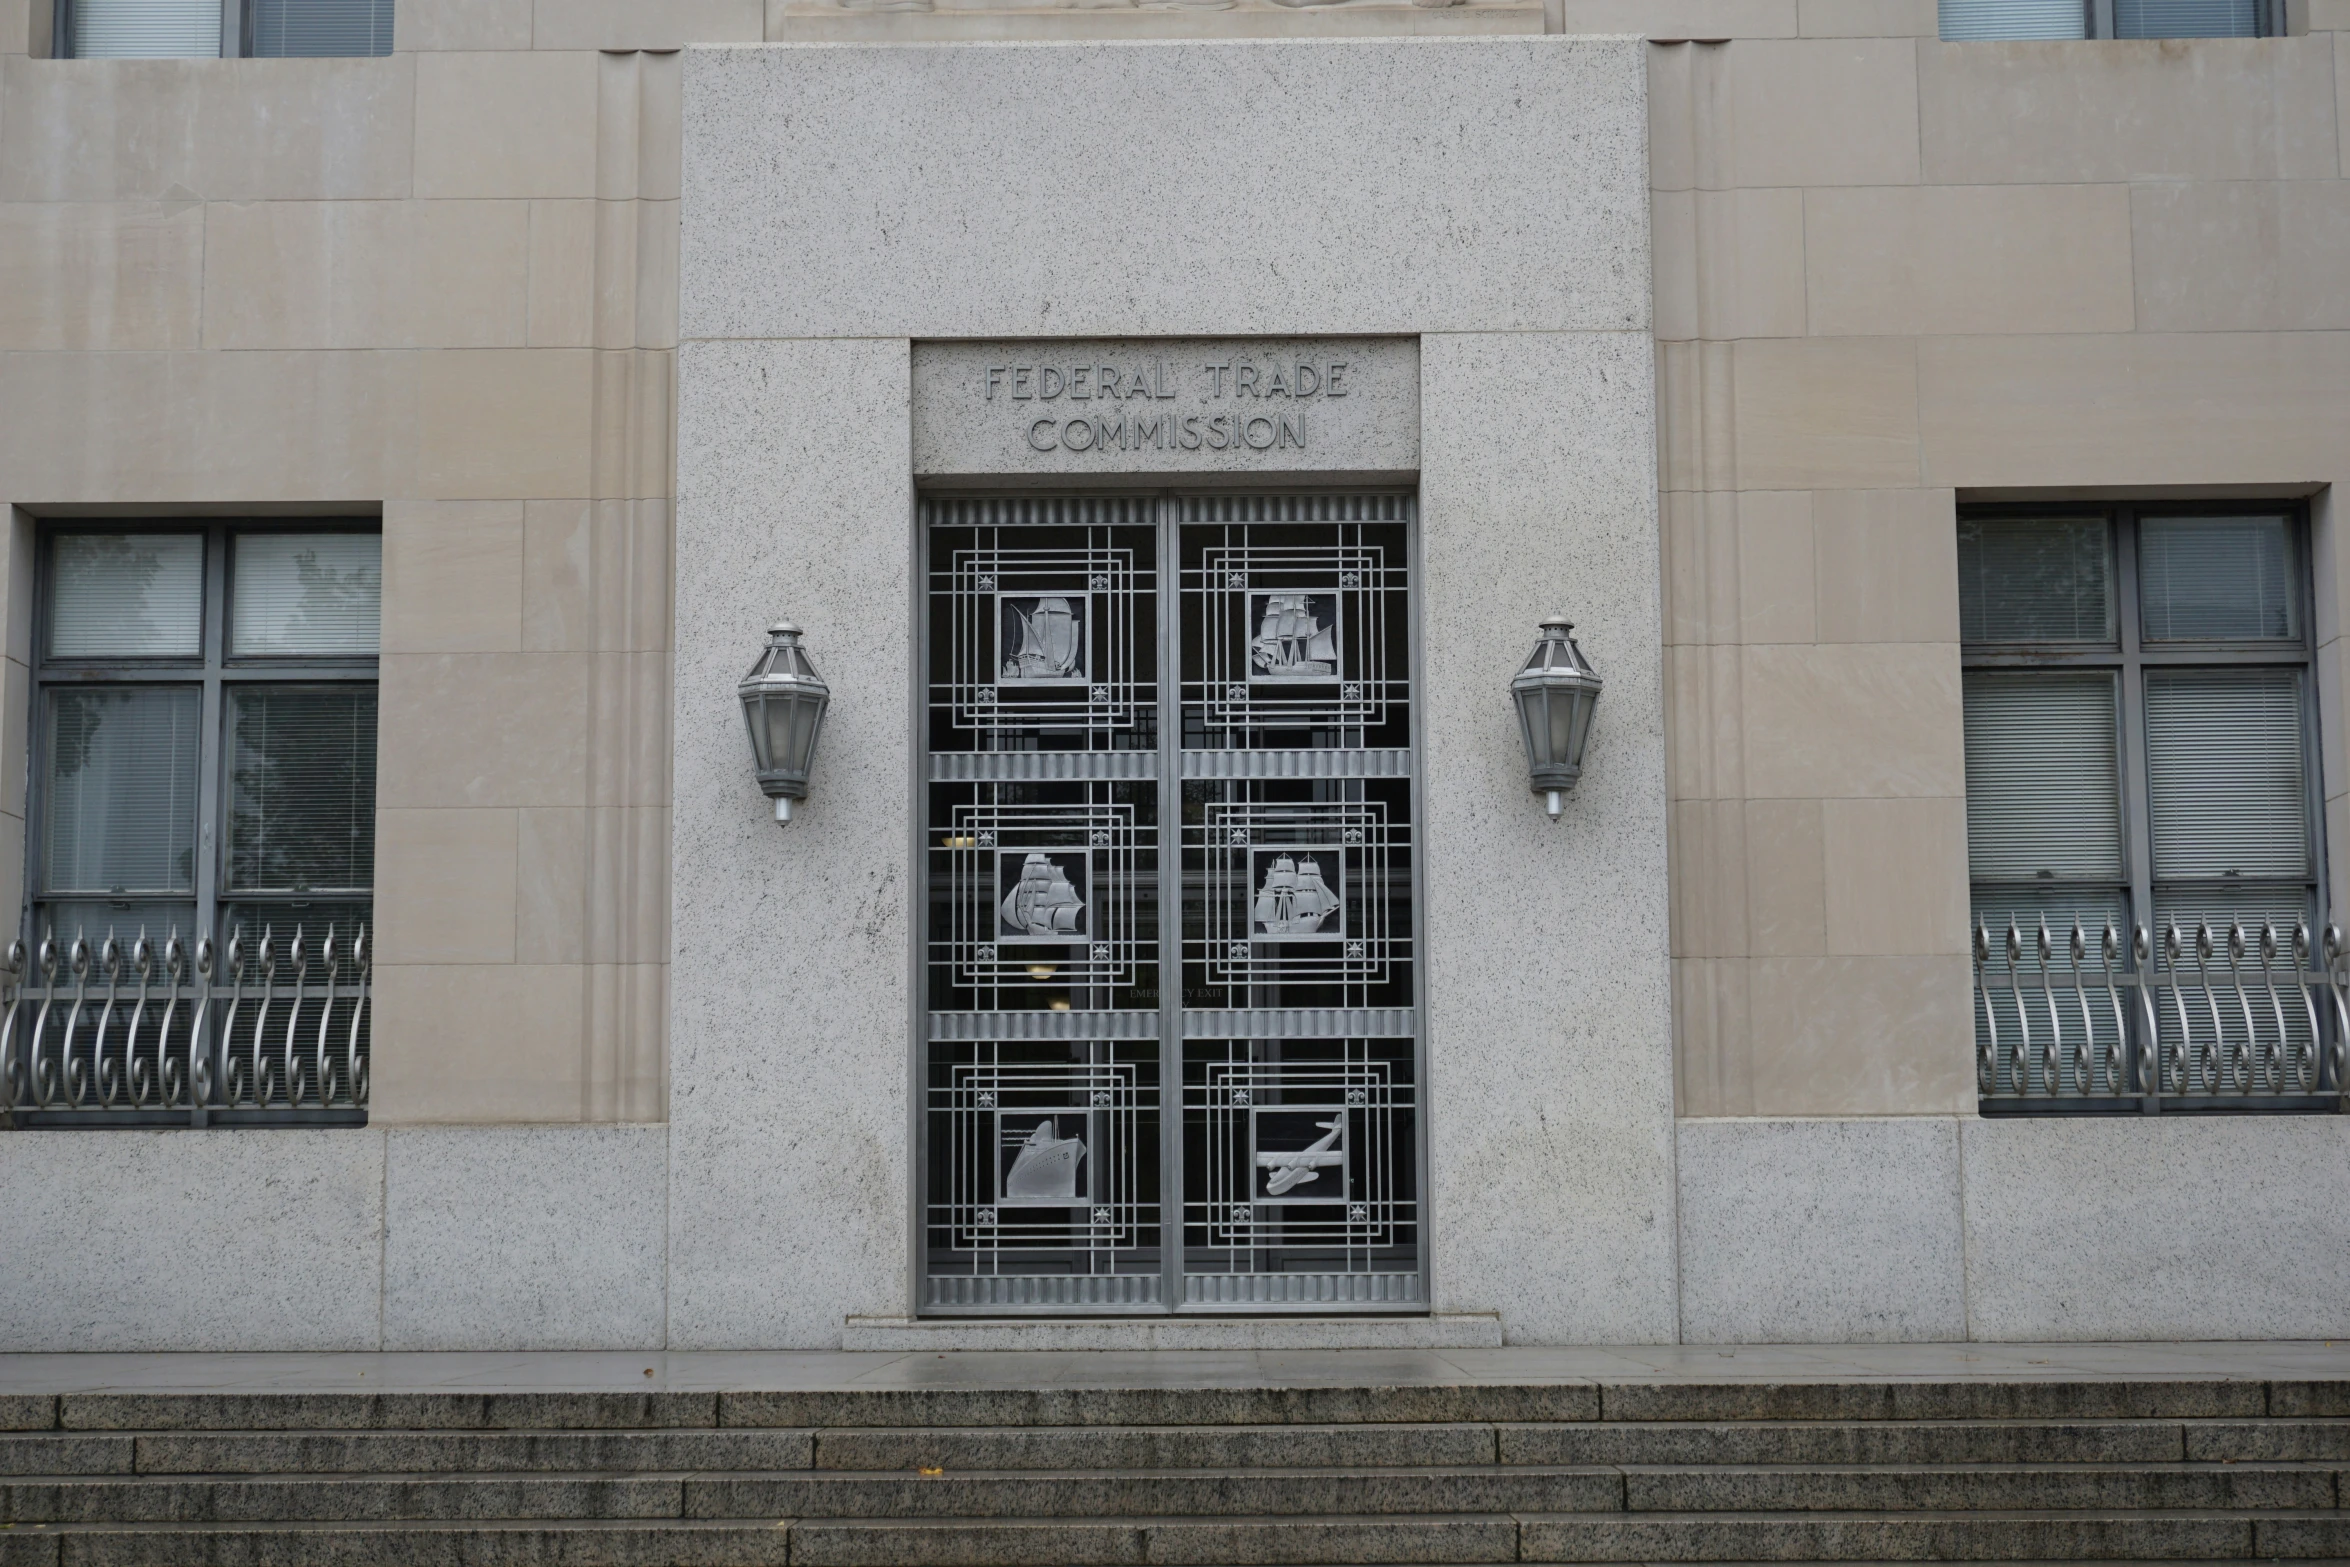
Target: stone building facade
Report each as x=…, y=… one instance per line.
x=630, y=335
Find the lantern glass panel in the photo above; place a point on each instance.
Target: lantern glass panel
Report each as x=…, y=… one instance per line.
x=789, y=718
x=1534, y=725
x=1564, y=701
x=762, y=739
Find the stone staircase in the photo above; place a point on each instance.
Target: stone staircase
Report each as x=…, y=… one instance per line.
x=1482, y=1472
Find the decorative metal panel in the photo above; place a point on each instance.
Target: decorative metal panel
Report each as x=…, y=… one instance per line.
x=1043, y=1161
x=1060, y=910
x=1043, y=623
x=1300, y=1161
x=1296, y=611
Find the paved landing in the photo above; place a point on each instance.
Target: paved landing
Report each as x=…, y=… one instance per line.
x=789, y=1371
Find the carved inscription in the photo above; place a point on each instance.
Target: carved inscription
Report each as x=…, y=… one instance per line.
x=1101, y=406
x=1242, y=403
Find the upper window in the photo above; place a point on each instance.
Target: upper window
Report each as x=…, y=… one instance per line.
x=204, y=745
x=2140, y=752
x=1969, y=19
x=168, y=29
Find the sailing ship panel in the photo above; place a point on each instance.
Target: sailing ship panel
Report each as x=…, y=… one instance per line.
x=1298, y=893
x=1293, y=635
x=1040, y=896
x=1043, y=639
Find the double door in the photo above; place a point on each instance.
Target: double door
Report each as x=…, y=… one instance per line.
x=1171, y=1057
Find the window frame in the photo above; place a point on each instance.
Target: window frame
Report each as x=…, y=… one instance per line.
x=2129, y=659
x=215, y=671
x=236, y=35
x=2099, y=26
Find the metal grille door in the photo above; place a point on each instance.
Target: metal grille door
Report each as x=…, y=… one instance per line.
x=1172, y=1057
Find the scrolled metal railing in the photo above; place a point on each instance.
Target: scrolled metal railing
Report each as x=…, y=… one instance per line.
x=2231, y=1016
x=137, y=1032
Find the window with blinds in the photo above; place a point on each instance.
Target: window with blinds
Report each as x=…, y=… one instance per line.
x=143, y=29
x=321, y=27
x=205, y=730
x=2140, y=719
x=1962, y=20
x=181, y=29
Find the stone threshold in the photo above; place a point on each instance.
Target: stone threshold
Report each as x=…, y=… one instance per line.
x=1452, y=1330
x=33, y=1379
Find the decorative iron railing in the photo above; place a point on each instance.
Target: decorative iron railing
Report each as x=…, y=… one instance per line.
x=2230, y=1017
x=160, y=1033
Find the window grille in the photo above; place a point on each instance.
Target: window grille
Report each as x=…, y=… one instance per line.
x=1171, y=1058
x=2143, y=827
x=195, y=942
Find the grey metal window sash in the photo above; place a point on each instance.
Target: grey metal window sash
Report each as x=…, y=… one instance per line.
x=2137, y=826
x=215, y=674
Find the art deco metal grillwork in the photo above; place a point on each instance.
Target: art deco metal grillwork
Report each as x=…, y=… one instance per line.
x=143, y=1031
x=1297, y=890
x=1060, y=912
x=2184, y=1018
x=1044, y=626
x=1295, y=617
x=1043, y=1175
x=1299, y=1173
x=1039, y=900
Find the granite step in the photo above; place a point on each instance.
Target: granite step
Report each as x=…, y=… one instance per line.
x=2227, y=1440
x=1115, y=1542
x=324, y=1498
x=757, y=1542
x=1890, y=1487
x=801, y=1409
x=1927, y=1400
x=456, y=1452
x=1356, y=1445
x=1359, y=1444
x=47, y=1453
x=1520, y=1401
x=2000, y=1535
x=1155, y=1493
x=1870, y=1442
x=803, y=1493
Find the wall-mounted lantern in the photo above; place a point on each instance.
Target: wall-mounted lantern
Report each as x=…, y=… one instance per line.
x=1555, y=693
x=783, y=706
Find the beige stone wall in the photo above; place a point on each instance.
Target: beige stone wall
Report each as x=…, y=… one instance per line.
x=1889, y=272
x=443, y=284
x=1892, y=272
